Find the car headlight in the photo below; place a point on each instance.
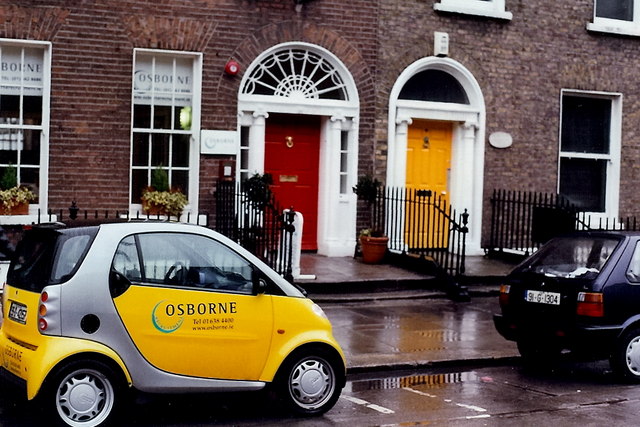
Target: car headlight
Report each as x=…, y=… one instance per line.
x=317, y=310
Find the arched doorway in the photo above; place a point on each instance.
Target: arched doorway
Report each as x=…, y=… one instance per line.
x=298, y=114
x=436, y=130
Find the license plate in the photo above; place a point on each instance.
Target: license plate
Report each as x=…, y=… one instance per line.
x=18, y=312
x=541, y=297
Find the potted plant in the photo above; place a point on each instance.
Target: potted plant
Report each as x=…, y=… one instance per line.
x=159, y=199
x=373, y=242
x=15, y=198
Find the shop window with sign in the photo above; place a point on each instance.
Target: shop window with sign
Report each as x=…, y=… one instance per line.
x=616, y=16
x=488, y=8
x=165, y=123
x=590, y=151
x=24, y=113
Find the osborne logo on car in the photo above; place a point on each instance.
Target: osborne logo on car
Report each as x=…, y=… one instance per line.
x=168, y=317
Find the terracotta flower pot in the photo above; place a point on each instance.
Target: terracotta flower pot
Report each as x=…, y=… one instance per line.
x=21, y=209
x=373, y=248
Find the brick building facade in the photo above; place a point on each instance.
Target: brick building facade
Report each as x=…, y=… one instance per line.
x=511, y=67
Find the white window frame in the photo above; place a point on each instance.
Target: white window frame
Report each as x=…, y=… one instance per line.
x=613, y=158
x=192, y=192
x=616, y=26
x=43, y=127
x=490, y=8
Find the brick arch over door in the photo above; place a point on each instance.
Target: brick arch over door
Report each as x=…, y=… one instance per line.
x=271, y=35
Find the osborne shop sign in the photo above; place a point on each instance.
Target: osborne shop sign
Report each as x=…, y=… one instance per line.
x=21, y=69
x=162, y=81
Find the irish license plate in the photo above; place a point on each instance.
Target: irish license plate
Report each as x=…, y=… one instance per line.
x=541, y=297
x=18, y=312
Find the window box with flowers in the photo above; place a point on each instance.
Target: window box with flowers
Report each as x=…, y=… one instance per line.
x=159, y=199
x=15, y=198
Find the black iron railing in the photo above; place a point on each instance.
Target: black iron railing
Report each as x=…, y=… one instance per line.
x=257, y=222
x=522, y=221
x=419, y=223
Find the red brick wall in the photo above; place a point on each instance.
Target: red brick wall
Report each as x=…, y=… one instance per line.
x=92, y=57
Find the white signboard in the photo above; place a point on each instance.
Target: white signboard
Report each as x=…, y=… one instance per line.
x=219, y=142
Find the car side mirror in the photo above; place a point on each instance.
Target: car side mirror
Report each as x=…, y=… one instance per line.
x=259, y=283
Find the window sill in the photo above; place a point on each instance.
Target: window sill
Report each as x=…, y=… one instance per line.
x=612, y=29
x=487, y=13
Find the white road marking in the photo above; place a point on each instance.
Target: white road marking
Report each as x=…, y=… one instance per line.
x=462, y=405
x=373, y=406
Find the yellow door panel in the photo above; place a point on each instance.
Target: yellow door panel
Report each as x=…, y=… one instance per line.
x=428, y=166
x=199, y=333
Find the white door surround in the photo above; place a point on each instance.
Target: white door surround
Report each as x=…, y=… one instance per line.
x=467, y=153
x=301, y=78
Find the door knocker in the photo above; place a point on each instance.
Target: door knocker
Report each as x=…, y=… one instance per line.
x=289, y=141
x=425, y=142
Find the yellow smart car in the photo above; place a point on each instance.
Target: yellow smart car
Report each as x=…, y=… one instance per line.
x=159, y=307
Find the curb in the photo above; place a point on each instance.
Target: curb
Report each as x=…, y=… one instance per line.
x=436, y=364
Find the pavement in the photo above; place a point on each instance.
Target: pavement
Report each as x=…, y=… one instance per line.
x=389, y=318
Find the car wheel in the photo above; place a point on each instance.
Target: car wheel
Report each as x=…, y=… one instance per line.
x=309, y=382
x=83, y=394
x=536, y=354
x=625, y=360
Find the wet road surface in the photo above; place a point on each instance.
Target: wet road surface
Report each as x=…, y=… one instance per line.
x=571, y=394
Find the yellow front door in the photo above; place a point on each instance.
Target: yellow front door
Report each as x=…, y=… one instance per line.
x=428, y=166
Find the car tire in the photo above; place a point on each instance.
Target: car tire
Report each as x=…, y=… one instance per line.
x=83, y=393
x=309, y=382
x=536, y=354
x=625, y=360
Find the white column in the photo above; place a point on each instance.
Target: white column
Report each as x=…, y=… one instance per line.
x=471, y=178
x=330, y=230
x=399, y=175
x=257, y=143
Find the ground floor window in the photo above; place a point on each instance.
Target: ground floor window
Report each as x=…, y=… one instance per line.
x=589, y=150
x=165, y=120
x=24, y=113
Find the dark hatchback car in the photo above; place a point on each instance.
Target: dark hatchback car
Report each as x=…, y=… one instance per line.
x=579, y=292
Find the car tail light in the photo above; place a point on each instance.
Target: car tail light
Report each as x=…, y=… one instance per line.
x=504, y=295
x=590, y=304
x=42, y=312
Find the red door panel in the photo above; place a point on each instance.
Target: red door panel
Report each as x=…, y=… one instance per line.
x=292, y=154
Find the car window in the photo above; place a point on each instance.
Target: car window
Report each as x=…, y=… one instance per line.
x=126, y=261
x=189, y=260
x=633, y=272
x=47, y=256
x=572, y=257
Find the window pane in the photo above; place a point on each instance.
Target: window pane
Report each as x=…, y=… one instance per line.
x=32, y=110
x=30, y=177
x=182, y=118
x=140, y=149
x=586, y=124
x=9, y=140
x=180, y=151
x=162, y=117
x=9, y=105
x=139, y=181
x=142, y=116
x=126, y=261
x=31, y=147
x=583, y=183
x=615, y=9
x=160, y=150
x=180, y=181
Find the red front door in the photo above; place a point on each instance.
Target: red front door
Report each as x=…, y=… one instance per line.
x=292, y=153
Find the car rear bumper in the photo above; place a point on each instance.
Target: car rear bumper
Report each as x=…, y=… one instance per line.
x=584, y=338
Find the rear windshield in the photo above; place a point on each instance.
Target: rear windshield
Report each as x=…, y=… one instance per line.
x=48, y=256
x=570, y=257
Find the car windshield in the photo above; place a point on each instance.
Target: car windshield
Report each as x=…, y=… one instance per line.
x=572, y=257
x=48, y=256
